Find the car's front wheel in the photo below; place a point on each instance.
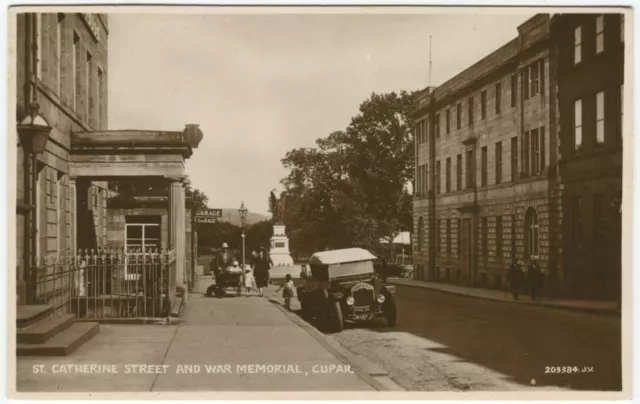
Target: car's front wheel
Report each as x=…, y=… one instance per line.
x=390, y=311
x=334, y=320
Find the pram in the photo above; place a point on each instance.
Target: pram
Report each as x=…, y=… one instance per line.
x=230, y=277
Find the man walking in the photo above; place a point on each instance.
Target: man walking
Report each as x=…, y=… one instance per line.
x=515, y=277
x=534, y=278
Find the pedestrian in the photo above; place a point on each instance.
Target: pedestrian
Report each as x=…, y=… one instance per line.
x=287, y=293
x=248, y=280
x=534, y=278
x=515, y=276
x=261, y=271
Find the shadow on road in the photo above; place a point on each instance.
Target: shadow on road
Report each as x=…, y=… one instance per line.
x=530, y=345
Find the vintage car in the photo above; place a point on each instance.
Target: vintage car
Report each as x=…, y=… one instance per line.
x=342, y=286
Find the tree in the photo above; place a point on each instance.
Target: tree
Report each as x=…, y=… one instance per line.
x=351, y=189
x=258, y=235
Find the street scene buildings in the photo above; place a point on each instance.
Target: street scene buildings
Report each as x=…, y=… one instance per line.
x=402, y=231
x=505, y=162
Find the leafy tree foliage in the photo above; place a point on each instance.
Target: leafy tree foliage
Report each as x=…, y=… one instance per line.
x=351, y=189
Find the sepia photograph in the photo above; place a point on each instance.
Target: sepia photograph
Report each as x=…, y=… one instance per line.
x=323, y=202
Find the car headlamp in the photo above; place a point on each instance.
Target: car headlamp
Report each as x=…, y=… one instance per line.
x=350, y=301
x=380, y=298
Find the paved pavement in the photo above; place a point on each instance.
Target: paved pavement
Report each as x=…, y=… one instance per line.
x=597, y=306
x=215, y=334
x=449, y=342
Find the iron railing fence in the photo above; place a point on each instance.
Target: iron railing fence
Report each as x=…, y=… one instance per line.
x=106, y=283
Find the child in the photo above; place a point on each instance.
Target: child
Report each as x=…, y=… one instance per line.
x=288, y=291
x=248, y=280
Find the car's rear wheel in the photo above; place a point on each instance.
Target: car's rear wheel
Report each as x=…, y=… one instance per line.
x=335, y=322
x=390, y=311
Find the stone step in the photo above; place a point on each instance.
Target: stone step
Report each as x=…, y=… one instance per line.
x=61, y=344
x=44, y=329
x=31, y=313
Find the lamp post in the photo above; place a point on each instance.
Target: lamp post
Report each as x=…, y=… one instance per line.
x=243, y=218
x=33, y=133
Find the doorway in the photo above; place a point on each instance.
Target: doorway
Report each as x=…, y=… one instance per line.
x=467, y=254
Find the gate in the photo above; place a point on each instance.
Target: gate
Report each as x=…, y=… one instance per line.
x=107, y=283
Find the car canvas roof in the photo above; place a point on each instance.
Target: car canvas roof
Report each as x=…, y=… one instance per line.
x=341, y=256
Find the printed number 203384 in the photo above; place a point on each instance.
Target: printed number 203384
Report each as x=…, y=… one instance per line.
x=568, y=369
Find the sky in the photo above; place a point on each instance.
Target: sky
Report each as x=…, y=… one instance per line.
x=260, y=85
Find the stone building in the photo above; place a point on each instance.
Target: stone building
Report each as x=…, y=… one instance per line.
x=62, y=70
x=62, y=58
x=486, y=158
x=590, y=78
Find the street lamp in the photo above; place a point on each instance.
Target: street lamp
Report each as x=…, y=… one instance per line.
x=33, y=133
x=243, y=219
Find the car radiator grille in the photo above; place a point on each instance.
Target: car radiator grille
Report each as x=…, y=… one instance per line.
x=363, y=297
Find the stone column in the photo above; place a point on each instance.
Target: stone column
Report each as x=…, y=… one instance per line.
x=177, y=232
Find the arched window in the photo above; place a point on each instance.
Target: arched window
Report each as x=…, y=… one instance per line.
x=532, y=234
x=420, y=234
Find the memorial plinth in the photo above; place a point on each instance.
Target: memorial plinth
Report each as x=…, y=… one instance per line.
x=280, y=254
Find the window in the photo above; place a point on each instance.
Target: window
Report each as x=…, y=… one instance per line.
x=599, y=33
x=470, y=110
x=74, y=70
x=427, y=183
x=543, y=155
x=577, y=125
x=600, y=119
x=577, y=45
x=459, y=116
x=484, y=166
x=39, y=44
x=99, y=86
x=498, y=97
x=514, y=158
x=535, y=153
x=420, y=234
x=535, y=79
x=485, y=238
x=531, y=233
x=141, y=237
x=437, y=237
x=448, y=236
x=448, y=175
x=448, y=123
x=498, y=236
x=600, y=225
x=459, y=237
x=513, y=236
x=498, y=162
x=459, y=172
x=525, y=154
x=437, y=177
x=59, y=45
x=526, y=82
x=60, y=207
x=577, y=221
x=437, y=125
x=87, y=88
x=483, y=104
x=514, y=90
x=470, y=170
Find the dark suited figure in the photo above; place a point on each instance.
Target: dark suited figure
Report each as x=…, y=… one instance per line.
x=534, y=278
x=516, y=278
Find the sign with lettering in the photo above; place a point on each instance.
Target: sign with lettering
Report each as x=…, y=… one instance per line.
x=92, y=23
x=209, y=213
x=200, y=219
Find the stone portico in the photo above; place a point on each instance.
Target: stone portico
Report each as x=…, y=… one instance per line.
x=154, y=156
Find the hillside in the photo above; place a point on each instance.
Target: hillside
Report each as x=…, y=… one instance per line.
x=231, y=215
